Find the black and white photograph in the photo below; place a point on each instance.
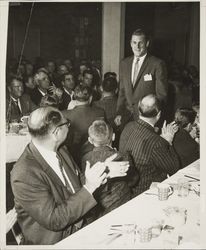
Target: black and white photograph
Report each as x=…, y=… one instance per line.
x=100, y=136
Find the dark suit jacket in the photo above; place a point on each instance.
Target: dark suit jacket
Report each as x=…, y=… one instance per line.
x=129, y=95
x=81, y=118
x=66, y=99
x=36, y=96
x=152, y=155
x=46, y=209
x=27, y=107
x=186, y=147
x=115, y=192
x=109, y=105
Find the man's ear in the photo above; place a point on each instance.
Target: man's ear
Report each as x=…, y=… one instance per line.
x=90, y=140
x=9, y=89
x=188, y=127
x=55, y=134
x=113, y=136
x=101, y=88
x=147, y=43
x=158, y=115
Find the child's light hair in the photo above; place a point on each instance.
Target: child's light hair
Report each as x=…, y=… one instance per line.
x=100, y=133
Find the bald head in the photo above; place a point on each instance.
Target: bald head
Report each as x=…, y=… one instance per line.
x=43, y=120
x=149, y=106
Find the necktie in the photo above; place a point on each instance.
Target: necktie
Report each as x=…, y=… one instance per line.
x=69, y=187
x=76, y=226
x=136, y=71
x=17, y=107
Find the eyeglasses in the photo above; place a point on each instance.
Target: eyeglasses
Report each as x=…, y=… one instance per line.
x=67, y=123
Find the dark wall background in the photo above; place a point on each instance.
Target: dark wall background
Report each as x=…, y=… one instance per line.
x=170, y=25
x=56, y=30
x=74, y=30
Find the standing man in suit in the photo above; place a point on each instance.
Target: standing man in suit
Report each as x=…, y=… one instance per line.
x=18, y=104
x=153, y=154
x=140, y=75
x=51, y=195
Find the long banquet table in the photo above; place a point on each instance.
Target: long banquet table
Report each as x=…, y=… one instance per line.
x=145, y=209
x=15, y=145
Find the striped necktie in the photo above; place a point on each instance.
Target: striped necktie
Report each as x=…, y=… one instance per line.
x=76, y=226
x=61, y=167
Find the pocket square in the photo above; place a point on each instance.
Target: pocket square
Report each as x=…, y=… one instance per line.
x=148, y=77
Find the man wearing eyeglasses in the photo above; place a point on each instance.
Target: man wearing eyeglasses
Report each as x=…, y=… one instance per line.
x=51, y=194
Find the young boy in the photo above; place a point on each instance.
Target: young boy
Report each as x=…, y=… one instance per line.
x=116, y=191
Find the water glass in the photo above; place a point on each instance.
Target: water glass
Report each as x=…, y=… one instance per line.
x=183, y=187
x=145, y=234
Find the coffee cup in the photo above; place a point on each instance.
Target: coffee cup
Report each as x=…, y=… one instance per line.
x=164, y=191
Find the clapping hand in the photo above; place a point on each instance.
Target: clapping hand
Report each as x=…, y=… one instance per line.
x=117, y=120
x=95, y=176
x=101, y=171
x=116, y=168
x=169, y=130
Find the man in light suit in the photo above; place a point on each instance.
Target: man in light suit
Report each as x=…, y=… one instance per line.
x=18, y=104
x=152, y=154
x=51, y=195
x=140, y=75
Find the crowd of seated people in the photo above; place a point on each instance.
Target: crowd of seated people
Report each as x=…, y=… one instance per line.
x=76, y=96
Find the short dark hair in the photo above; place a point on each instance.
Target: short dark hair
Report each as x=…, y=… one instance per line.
x=184, y=116
x=150, y=109
x=141, y=32
x=109, y=84
x=42, y=120
x=88, y=71
x=65, y=74
x=110, y=74
x=82, y=93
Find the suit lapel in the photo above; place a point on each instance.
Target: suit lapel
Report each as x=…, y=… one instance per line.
x=143, y=67
x=129, y=73
x=45, y=165
x=24, y=105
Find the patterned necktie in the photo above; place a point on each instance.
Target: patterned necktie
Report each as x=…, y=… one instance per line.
x=136, y=71
x=76, y=226
x=61, y=167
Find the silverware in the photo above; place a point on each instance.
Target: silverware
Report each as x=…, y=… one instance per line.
x=188, y=176
x=151, y=194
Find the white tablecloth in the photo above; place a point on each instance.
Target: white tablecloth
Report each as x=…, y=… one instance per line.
x=143, y=209
x=15, y=145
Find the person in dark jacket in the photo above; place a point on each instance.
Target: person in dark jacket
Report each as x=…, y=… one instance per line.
x=185, y=146
x=116, y=191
